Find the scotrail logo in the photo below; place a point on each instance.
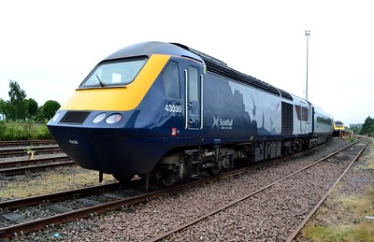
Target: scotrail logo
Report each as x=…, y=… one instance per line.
x=220, y=123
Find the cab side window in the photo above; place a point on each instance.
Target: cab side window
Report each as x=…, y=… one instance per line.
x=194, y=84
x=171, y=80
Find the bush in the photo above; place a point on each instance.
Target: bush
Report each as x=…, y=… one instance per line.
x=21, y=130
x=13, y=131
x=41, y=131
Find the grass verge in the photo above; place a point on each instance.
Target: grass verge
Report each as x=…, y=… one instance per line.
x=51, y=181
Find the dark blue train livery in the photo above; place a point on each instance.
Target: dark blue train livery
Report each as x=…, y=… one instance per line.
x=165, y=112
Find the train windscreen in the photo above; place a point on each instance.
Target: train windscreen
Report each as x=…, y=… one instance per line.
x=116, y=73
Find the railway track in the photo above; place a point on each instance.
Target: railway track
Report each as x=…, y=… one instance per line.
x=22, y=162
x=15, y=223
x=295, y=233
x=20, y=225
x=21, y=151
x=22, y=166
x=38, y=200
x=280, y=182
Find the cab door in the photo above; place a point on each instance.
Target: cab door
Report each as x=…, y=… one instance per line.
x=304, y=117
x=193, y=96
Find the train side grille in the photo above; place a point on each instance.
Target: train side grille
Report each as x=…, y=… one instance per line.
x=75, y=117
x=287, y=119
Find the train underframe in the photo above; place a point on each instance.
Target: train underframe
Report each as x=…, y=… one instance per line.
x=184, y=164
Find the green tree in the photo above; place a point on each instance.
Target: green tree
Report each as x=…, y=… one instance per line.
x=32, y=107
x=368, y=126
x=9, y=110
x=16, y=108
x=15, y=92
x=40, y=115
x=2, y=106
x=49, y=109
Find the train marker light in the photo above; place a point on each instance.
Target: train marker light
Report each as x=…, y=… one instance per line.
x=114, y=118
x=99, y=118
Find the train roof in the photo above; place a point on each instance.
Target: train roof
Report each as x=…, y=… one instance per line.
x=219, y=67
x=213, y=65
x=153, y=47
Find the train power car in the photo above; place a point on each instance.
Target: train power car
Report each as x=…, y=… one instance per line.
x=165, y=112
x=338, y=128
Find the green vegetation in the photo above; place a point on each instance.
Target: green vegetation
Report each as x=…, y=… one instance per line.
x=363, y=232
x=50, y=108
x=23, y=130
x=352, y=226
x=370, y=165
x=368, y=126
x=24, y=119
x=20, y=108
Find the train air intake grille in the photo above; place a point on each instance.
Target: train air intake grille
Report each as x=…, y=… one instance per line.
x=287, y=119
x=75, y=117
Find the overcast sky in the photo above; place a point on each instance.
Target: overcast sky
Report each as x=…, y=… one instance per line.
x=49, y=47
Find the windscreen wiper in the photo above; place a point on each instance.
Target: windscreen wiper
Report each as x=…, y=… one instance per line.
x=98, y=78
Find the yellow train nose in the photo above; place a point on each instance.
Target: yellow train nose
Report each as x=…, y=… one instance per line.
x=122, y=98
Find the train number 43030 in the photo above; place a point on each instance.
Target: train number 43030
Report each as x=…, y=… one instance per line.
x=172, y=108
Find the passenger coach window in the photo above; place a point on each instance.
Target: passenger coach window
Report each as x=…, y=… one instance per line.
x=171, y=80
x=302, y=113
x=193, y=81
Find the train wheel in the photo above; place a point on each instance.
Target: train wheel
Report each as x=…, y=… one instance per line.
x=122, y=177
x=214, y=171
x=166, y=179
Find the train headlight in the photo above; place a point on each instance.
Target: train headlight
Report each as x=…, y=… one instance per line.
x=114, y=118
x=57, y=115
x=99, y=118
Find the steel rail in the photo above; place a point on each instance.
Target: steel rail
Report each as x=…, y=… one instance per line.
x=21, y=151
x=35, y=200
x=33, y=161
x=311, y=213
x=22, y=169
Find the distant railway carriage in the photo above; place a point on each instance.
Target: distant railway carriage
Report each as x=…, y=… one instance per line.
x=322, y=125
x=165, y=111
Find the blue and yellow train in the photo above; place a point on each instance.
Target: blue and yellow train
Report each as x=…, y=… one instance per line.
x=338, y=128
x=166, y=112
